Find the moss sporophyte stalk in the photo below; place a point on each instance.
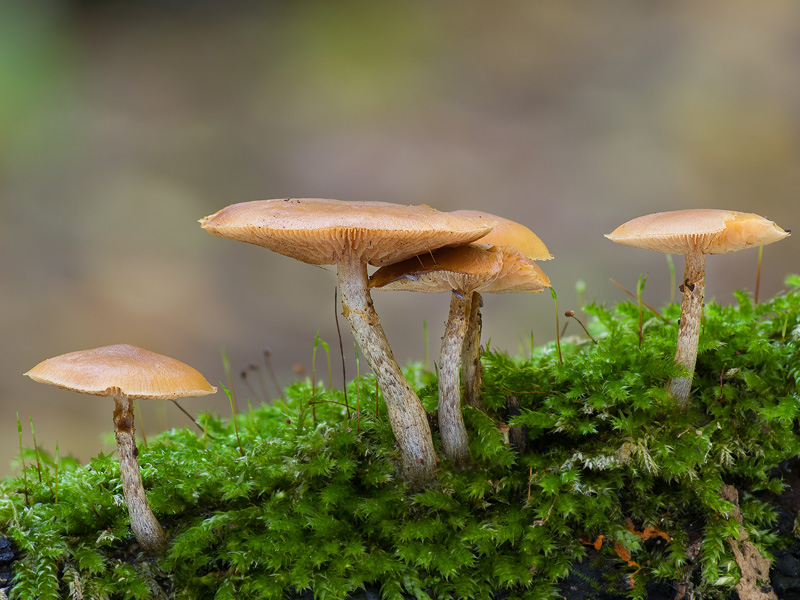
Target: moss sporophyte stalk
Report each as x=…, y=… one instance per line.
x=672, y=496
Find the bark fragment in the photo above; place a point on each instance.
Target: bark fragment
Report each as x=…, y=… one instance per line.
x=754, y=583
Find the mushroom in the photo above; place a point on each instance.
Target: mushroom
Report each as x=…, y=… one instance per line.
x=695, y=233
x=126, y=373
x=462, y=271
x=505, y=233
x=351, y=235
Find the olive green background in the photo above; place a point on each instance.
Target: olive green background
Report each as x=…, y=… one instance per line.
x=122, y=124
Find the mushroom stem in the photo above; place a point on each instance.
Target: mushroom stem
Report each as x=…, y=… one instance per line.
x=455, y=442
x=471, y=369
x=145, y=526
x=692, y=292
x=407, y=416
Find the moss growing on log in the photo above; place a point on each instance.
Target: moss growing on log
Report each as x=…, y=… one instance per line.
x=322, y=507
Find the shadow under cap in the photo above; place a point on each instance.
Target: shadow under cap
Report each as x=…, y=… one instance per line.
x=465, y=269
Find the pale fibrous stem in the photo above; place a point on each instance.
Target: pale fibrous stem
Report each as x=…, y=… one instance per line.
x=455, y=442
x=407, y=416
x=692, y=291
x=471, y=369
x=145, y=527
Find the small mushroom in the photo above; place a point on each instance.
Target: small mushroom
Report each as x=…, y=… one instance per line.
x=695, y=233
x=126, y=373
x=351, y=235
x=461, y=271
x=504, y=233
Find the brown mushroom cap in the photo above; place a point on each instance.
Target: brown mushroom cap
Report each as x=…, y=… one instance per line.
x=470, y=268
x=709, y=230
x=320, y=231
x=122, y=368
x=506, y=232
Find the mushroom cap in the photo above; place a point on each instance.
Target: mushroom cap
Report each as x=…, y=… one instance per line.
x=122, y=369
x=472, y=268
x=320, y=231
x=506, y=232
x=709, y=230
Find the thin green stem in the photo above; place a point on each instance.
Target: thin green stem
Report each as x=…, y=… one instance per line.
x=558, y=329
x=424, y=346
x=141, y=421
x=650, y=308
x=226, y=364
x=314, y=376
x=22, y=458
x=231, y=397
x=639, y=295
x=671, y=265
x=328, y=359
x=235, y=420
x=57, y=461
x=314, y=364
x=341, y=348
x=36, y=450
x=358, y=391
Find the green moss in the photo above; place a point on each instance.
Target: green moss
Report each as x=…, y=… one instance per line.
x=320, y=506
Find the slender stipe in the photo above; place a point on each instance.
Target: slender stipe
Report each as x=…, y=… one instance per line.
x=758, y=273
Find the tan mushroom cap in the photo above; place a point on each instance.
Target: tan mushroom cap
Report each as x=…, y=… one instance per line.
x=709, y=230
x=465, y=269
x=122, y=368
x=319, y=231
x=506, y=232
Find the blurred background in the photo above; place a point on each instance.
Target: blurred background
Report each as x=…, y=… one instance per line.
x=122, y=124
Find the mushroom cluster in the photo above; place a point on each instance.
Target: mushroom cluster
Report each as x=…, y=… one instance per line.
x=500, y=262
x=506, y=233
x=351, y=235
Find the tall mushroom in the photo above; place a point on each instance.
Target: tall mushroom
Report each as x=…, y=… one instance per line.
x=695, y=233
x=463, y=271
x=505, y=233
x=351, y=235
x=126, y=373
